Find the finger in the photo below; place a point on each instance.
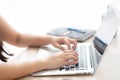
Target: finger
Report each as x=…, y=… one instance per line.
x=71, y=57
x=60, y=47
x=71, y=52
x=66, y=41
x=74, y=42
x=72, y=63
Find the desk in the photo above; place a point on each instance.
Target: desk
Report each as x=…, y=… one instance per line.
x=108, y=69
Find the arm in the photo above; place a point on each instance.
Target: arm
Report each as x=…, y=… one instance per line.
x=8, y=34
x=10, y=71
x=18, y=39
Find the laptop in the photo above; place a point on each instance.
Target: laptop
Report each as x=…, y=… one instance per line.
x=90, y=55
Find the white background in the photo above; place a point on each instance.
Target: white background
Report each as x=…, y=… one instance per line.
x=38, y=16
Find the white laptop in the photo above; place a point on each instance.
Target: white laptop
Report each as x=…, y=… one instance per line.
x=90, y=55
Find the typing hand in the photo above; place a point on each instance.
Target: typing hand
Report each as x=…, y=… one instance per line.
x=58, y=41
x=62, y=58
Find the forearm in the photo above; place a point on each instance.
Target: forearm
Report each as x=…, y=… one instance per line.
x=10, y=71
x=33, y=40
x=8, y=34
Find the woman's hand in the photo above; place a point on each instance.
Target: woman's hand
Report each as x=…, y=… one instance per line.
x=61, y=59
x=58, y=41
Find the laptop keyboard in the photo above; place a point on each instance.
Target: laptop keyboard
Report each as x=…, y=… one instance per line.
x=84, y=60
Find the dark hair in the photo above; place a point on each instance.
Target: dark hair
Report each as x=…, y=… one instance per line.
x=2, y=57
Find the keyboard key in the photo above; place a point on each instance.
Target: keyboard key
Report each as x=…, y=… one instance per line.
x=61, y=68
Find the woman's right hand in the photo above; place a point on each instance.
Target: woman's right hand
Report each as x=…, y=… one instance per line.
x=61, y=59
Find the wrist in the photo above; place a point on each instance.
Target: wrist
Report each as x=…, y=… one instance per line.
x=49, y=39
x=38, y=65
x=44, y=64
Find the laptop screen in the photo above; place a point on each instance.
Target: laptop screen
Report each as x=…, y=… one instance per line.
x=105, y=33
x=99, y=45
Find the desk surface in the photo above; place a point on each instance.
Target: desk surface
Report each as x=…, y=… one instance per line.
x=108, y=69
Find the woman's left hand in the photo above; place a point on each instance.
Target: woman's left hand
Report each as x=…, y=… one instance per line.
x=58, y=41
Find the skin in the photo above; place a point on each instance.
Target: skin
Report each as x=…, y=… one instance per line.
x=9, y=35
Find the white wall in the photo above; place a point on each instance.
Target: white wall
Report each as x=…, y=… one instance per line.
x=33, y=16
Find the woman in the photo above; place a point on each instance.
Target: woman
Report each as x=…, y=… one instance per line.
x=10, y=71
